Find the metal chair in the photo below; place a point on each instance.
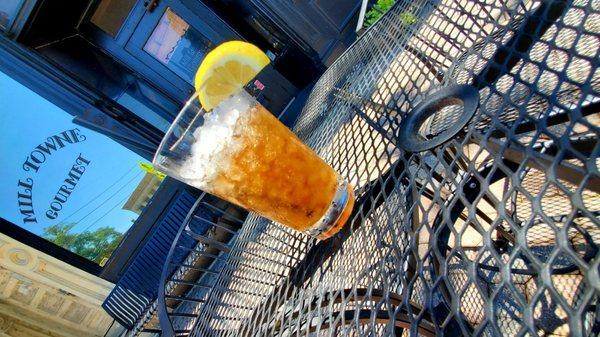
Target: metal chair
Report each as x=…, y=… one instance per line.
x=198, y=253
x=132, y=300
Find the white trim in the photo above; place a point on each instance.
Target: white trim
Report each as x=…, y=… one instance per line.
x=361, y=15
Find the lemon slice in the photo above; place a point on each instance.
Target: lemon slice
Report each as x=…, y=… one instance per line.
x=226, y=69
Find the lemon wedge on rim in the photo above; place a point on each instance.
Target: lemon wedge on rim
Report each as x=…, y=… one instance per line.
x=227, y=68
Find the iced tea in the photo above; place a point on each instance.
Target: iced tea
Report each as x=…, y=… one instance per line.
x=240, y=152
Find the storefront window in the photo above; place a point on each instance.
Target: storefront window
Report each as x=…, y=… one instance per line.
x=63, y=182
x=177, y=45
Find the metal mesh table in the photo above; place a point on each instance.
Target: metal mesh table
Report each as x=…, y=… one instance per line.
x=469, y=131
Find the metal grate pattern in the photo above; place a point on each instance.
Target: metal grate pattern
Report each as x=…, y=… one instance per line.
x=477, y=221
x=195, y=259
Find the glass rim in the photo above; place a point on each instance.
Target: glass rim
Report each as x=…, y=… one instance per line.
x=163, y=143
x=201, y=112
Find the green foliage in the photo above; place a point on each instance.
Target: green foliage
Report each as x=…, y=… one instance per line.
x=95, y=245
x=377, y=11
x=381, y=7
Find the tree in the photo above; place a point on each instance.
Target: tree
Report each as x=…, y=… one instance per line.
x=94, y=245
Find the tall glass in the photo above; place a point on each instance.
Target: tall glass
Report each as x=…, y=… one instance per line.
x=240, y=152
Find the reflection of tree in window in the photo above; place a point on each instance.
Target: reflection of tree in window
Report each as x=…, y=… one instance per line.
x=94, y=245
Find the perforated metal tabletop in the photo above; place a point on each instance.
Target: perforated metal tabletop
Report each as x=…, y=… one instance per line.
x=469, y=130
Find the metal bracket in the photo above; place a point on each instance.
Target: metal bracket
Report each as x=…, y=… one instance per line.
x=409, y=133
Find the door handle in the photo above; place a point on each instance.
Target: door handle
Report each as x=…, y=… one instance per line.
x=150, y=5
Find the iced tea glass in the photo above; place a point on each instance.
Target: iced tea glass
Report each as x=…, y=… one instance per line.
x=241, y=153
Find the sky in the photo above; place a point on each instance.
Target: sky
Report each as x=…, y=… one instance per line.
x=27, y=120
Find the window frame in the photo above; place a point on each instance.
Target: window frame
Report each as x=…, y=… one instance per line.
x=15, y=26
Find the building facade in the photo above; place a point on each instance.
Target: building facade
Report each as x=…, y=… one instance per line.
x=142, y=194
x=41, y=295
x=124, y=68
